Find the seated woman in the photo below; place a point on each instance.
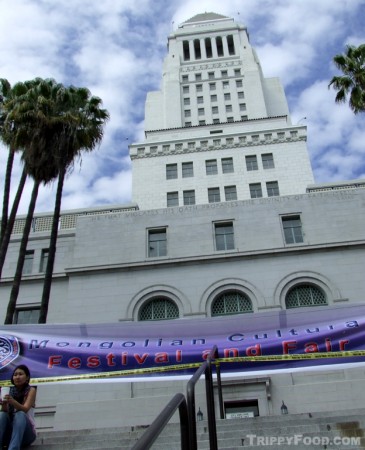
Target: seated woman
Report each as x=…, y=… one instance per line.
x=17, y=426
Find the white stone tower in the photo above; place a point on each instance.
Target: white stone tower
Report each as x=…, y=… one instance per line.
x=217, y=130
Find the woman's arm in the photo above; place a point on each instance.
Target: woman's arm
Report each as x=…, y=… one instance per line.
x=29, y=401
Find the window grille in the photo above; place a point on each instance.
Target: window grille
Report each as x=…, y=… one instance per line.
x=305, y=295
x=231, y=303
x=159, y=309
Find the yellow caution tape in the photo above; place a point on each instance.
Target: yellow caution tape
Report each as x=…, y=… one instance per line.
x=176, y=367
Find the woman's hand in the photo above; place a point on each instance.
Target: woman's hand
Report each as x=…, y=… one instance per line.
x=7, y=398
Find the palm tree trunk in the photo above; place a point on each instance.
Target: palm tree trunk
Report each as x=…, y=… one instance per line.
x=21, y=257
x=7, y=182
x=11, y=220
x=52, y=249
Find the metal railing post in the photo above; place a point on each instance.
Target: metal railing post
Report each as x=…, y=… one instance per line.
x=220, y=393
x=210, y=406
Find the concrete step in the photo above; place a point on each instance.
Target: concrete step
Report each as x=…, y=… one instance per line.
x=328, y=429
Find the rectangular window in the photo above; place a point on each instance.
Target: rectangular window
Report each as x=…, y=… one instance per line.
x=230, y=193
x=187, y=101
x=187, y=113
x=272, y=188
x=185, y=78
x=188, y=124
x=211, y=167
x=224, y=73
x=201, y=122
x=230, y=119
x=214, y=195
x=225, y=84
x=242, y=106
x=255, y=190
x=212, y=86
x=187, y=169
x=157, y=242
x=198, y=77
x=227, y=96
x=239, y=83
x=200, y=111
x=267, y=161
x=185, y=89
x=26, y=315
x=172, y=199
x=189, y=197
x=215, y=110
x=171, y=171
x=227, y=165
x=200, y=100
x=44, y=260
x=199, y=88
x=228, y=108
x=292, y=227
x=215, y=120
x=241, y=94
x=237, y=72
x=210, y=75
x=213, y=98
x=224, y=236
x=28, y=262
x=251, y=162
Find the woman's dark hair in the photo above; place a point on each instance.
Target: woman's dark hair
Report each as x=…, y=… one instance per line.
x=24, y=369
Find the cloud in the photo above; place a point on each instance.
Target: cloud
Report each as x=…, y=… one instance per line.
x=116, y=49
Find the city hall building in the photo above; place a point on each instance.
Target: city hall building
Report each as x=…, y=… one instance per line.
x=226, y=220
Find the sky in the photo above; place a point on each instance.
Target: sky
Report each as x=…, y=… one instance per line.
x=116, y=48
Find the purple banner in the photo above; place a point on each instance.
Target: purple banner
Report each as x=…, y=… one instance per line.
x=85, y=349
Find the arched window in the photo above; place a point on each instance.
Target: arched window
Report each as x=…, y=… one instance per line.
x=232, y=302
x=305, y=295
x=159, y=309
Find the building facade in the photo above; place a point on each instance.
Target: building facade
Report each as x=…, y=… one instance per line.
x=226, y=220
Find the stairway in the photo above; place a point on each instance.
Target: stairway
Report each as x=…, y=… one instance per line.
x=311, y=431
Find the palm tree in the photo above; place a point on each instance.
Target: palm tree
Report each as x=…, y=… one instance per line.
x=5, y=90
x=11, y=136
x=81, y=121
x=54, y=125
x=35, y=135
x=352, y=82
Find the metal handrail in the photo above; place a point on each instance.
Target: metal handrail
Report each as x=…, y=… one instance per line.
x=154, y=430
x=205, y=368
x=187, y=411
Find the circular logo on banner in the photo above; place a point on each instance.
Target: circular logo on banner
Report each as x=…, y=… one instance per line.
x=9, y=350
